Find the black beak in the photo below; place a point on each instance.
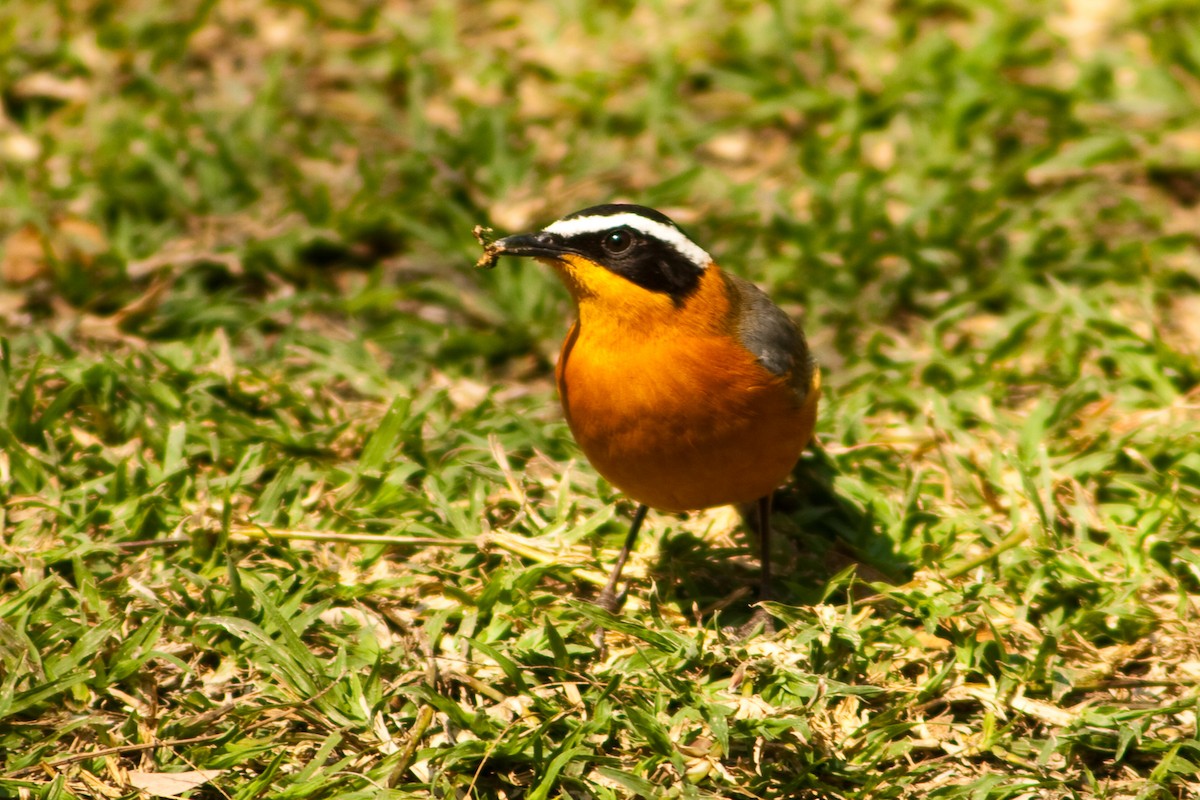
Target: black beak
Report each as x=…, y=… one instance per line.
x=534, y=245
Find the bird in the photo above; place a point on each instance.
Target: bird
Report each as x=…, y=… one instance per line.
x=684, y=385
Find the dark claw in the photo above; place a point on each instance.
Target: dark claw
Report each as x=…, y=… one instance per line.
x=760, y=621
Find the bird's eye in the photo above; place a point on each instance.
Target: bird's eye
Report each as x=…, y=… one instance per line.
x=617, y=242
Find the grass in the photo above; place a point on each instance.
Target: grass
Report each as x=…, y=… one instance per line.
x=289, y=506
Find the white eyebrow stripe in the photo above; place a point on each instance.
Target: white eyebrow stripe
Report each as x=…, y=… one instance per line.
x=664, y=233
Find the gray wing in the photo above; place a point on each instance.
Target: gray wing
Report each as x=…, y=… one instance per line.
x=768, y=332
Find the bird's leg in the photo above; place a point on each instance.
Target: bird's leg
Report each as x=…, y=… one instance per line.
x=608, y=598
x=761, y=620
x=764, y=540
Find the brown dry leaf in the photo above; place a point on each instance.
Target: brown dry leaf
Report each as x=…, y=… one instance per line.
x=24, y=256
x=84, y=438
x=28, y=252
x=757, y=156
x=98, y=787
x=1183, y=324
x=171, y=784
x=939, y=729
x=73, y=237
x=930, y=642
x=752, y=707
x=846, y=717
x=735, y=147
x=105, y=329
x=1086, y=24
x=517, y=212
x=46, y=84
x=991, y=700
x=464, y=393
x=179, y=254
x=12, y=308
x=19, y=147
x=1043, y=711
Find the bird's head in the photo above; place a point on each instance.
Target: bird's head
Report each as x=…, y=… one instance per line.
x=616, y=255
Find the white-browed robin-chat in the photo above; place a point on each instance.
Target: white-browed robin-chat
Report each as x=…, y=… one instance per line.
x=684, y=385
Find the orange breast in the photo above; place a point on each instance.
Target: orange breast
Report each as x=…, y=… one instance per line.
x=678, y=415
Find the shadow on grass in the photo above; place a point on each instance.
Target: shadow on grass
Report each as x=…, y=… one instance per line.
x=816, y=534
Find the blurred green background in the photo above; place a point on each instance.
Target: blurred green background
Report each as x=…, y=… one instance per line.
x=239, y=314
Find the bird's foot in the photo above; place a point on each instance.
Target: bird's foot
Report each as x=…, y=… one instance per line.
x=760, y=623
x=610, y=601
